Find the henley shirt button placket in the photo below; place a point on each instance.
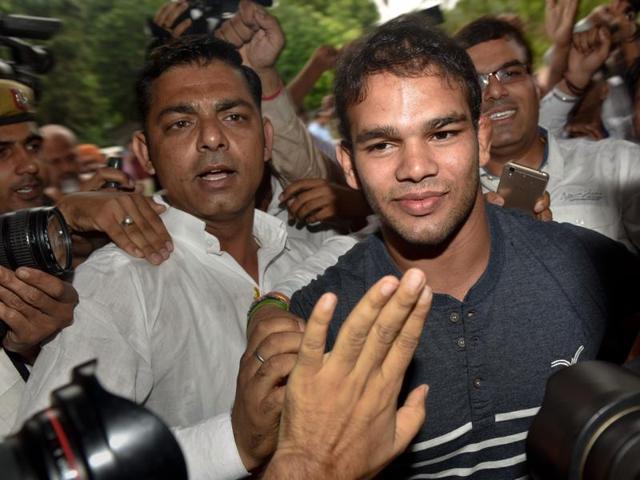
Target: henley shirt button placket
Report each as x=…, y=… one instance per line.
x=477, y=383
x=460, y=342
x=454, y=317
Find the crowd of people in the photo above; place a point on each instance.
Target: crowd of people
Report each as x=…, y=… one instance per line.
x=294, y=298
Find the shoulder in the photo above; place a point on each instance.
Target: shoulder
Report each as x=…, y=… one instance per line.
x=562, y=244
x=347, y=277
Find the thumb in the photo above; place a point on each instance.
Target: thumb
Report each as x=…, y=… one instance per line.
x=410, y=418
x=157, y=207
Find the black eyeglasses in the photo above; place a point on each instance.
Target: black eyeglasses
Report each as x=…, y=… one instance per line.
x=509, y=73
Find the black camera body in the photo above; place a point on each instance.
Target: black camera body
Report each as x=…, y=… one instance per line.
x=208, y=15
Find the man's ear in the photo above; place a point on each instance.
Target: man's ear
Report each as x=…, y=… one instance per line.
x=141, y=151
x=267, y=127
x=484, y=140
x=345, y=157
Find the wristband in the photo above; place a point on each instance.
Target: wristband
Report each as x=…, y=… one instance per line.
x=271, y=97
x=574, y=89
x=275, y=299
x=563, y=97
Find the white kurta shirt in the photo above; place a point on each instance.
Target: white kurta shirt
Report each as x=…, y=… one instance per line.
x=170, y=336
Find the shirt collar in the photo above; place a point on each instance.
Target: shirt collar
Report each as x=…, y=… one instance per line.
x=269, y=232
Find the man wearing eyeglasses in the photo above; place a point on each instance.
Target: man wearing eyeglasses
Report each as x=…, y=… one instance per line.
x=591, y=184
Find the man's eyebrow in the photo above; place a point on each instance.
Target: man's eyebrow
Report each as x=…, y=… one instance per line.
x=510, y=63
x=376, y=132
x=228, y=104
x=440, y=122
x=34, y=137
x=182, y=108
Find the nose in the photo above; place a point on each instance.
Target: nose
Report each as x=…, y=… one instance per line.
x=417, y=163
x=211, y=136
x=26, y=161
x=494, y=89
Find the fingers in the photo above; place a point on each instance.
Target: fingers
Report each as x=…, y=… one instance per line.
x=309, y=203
x=278, y=321
x=355, y=330
x=31, y=312
x=299, y=186
x=168, y=13
x=182, y=27
x=106, y=174
x=397, y=328
x=48, y=284
x=410, y=418
x=272, y=346
x=404, y=346
x=240, y=28
x=311, y=354
x=494, y=199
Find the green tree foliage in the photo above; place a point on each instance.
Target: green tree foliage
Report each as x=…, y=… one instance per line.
x=531, y=12
x=309, y=24
x=102, y=44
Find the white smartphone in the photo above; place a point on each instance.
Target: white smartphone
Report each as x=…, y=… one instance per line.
x=521, y=186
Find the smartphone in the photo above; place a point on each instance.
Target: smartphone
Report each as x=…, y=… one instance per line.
x=521, y=186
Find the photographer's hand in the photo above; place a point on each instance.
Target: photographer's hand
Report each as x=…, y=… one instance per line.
x=167, y=15
x=34, y=305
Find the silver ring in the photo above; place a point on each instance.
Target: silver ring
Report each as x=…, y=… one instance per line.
x=126, y=221
x=258, y=356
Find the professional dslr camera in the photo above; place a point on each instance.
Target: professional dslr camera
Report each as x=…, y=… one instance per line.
x=205, y=15
x=89, y=434
x=26, y=60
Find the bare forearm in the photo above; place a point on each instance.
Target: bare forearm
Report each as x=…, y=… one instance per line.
x=302, y=84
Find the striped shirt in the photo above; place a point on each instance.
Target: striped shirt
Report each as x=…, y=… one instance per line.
x=544, y=302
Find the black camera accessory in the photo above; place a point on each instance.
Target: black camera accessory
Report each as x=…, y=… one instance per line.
x=588, y=427
x=89, y=433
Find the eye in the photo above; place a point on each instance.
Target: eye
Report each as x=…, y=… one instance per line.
x=179, y=124
x=514, y=72
x=234, y=117
x=445, y=134
x=378, y=147
x=34, y=145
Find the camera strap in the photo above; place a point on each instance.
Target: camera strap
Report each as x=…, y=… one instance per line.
x=19, y=364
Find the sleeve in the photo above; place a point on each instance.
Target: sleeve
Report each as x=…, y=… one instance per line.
x=109, y=324
x=554, y=111
x=210, y=450
x=326, y=256
x=294, y=155
x=11, y=387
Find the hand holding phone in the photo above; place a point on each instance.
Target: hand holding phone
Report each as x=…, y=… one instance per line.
x=521, y=186
x=113, y=162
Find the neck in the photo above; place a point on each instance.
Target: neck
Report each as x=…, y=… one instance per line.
x=236, y=238
x=531, y=155
x=455, y=266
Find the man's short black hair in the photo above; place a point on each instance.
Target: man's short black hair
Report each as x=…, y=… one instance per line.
x=191, y=50
x=488, y=28
x=406, y=47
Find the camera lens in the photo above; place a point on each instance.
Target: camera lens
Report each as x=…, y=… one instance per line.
x=88, y=433
x=37, y=238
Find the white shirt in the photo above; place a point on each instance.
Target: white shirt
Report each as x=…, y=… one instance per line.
x=593, y=184
x=170, y=336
